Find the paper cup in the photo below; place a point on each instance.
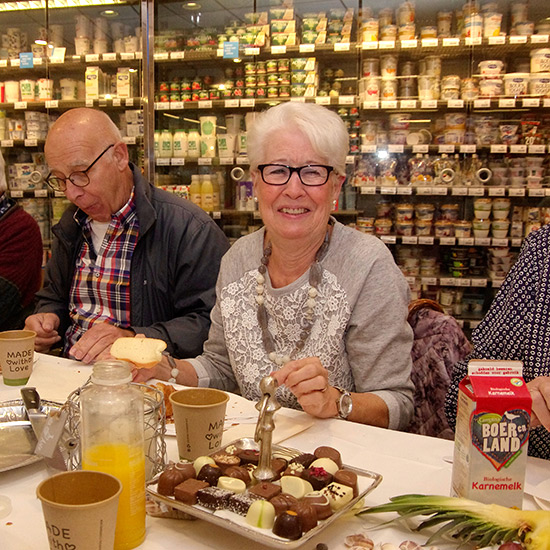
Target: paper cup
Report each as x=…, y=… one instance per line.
x=199, y=415
x=16, y=356
x=80, y=509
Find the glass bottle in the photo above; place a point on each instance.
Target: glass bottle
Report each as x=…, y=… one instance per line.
x=166, y=144
x=112, y=435
x=193, y=144
x=207, y=193
x=195, y=190
x=180, y=144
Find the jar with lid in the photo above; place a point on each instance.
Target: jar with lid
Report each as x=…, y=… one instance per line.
x=112, y=439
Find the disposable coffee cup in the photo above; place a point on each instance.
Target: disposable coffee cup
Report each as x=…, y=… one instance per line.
x=80, y=509
x=199, y=416
x=16, y=356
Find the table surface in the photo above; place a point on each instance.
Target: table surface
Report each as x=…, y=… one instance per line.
x=408, y=463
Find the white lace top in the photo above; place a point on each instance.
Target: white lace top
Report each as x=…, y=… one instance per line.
x=360, y=331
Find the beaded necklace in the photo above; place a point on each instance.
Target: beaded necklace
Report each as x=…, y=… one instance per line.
x=315, y=277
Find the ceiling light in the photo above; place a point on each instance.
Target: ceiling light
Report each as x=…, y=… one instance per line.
x=109, y=13
x=41, y=42
x=191, y=5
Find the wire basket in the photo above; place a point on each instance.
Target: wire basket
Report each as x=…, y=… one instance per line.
x=154, y=429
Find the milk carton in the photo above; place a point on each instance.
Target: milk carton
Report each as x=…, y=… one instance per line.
x=492, y=432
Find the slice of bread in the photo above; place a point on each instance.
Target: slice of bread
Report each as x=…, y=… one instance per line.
x=144, y=353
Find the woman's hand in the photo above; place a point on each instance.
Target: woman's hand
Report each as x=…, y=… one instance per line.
x=161, y=371
x=540, y=393
x=307, y=379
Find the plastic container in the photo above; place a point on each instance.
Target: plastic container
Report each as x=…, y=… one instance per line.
x=481, y=228
x=499, y=229
x=112, y=439
x=423, y=228
x=382, y=226
x=463, y=229
x=444, y=228
x=404, y=212
x=491, y=67
x=540, y=60
x=516, y=84
x=491, y=87
x=539, y=84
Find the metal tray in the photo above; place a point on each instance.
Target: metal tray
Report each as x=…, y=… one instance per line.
x=366, y=479
x=17, y=439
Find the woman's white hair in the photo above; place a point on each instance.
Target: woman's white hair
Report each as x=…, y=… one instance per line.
x=325, y=130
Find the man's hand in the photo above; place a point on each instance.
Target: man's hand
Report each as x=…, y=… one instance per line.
x=45, y=325
x=96, y=342
x=540, y=393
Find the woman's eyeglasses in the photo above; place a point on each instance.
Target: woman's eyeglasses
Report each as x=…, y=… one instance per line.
x=311, y=175
x=79, y=178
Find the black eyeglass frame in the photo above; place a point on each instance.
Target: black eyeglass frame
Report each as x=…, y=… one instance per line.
x=298, y=170
x=71, y=175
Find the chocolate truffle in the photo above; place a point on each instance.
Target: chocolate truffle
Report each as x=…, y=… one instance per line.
x=318, y=477
x=320, y=504
x=305, y=459
x=288, y=525
x=210, y=473
x=329, y=452
x=328, y=464
x=174, y=475
x=278, y=465
x=214, y=498
x=295, y=486
x=232, y=484
x=338, y=495
x=294, y=469
x=249, y=456
x=266, y=490
x=201, y=461
x=186, y=492
x=283, y=502
x=307, y=514
x=225, y=460
x=240, y=503
x=261, y=514
x=238, y=472
x=347, y=477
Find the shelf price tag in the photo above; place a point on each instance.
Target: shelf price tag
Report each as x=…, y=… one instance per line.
x=439, y=190
x=409, y=44
x=480, y=283
x=468, y=148
x=368, y=190
x=539, y=38
x=278, y=50
x=117, y=102
x=388, y=191
x=537, y=192
x=38, y=61
x=93, y=57
x=482, y=103
x=174, y=105
x=516, y=192
x=506, y=103
x=31, y=143
x=455, y=104
x=482, y=242
x=350, y=159
x=426, y=240
x=516, y=242
x=496, y=40
x=459, y=191
x=499, y=148
x=546, y=102
x=52, y=104
x=307, y=48
x=226, y=160
x=446, y=148
x=16, y=194
x=386, y=44
x=369, y=104
x=395, y=148
x=129, y=102
x=522, y=149
x=162, y=162
x=162, y=106
x=548, y=192
x=129, y=140
x=6, y=143
x=14, y=62
x=431, y=281
x=518, y=39
x=428, y=104
x=500, y=242
x=424, y=148
x=41, y=193
x=3, y=62
x=323, y=100
x=447, y=281
x=252, y=51
x=139, y=55
x=256, y=215
x=466, y=241
x=530, y=102
x=423, y=190
x=409, y=240
x=341, y=47
x=242, y=159
x=387, y=104
x=388, y=239
x=205, y=104
x=404, y=190
x=126, y=56
x=205, y=161
x=248, y=102
x=447, y=241
x=177, y=55
x=451, y=42
x=89, y=103
x=368, y=148
x=346, y=100
x=177, y=161
x=476, y=191
x=430, y=42
x=369, y=45
x=160, y=56
x=217, y=215
x=229, y=103
x=463, y=282
x=109, y=57
x=497, y=191
x=537, y=149
x=408, y=104
x=20, y=105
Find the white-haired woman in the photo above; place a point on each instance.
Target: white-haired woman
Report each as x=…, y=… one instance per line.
x=320, y=306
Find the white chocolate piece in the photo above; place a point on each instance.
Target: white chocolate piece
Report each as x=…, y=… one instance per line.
x=295, y=486
x=329, y=465
x=261, y=514
x=232, y=484
x=338, y=495
x=201, y=461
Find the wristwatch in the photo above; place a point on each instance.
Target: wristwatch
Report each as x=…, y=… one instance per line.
x=344, y=403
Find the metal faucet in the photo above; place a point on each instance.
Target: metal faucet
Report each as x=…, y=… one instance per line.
x=267, y=406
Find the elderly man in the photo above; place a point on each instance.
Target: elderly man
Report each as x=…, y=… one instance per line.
x=127, y=257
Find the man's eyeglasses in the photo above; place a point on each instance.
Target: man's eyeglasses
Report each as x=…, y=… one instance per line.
x=311, y=175
x=79, y=178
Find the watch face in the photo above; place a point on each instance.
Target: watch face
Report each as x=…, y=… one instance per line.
x=345, y=405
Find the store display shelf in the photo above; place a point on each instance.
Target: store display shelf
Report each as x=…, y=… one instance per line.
x=497, y=148
x=429, y=240
x=233, y=213
x=450, y=281
x=504, y=104
x=7, y=143
x=64, y=104
x=442, y=190
x=31, y=193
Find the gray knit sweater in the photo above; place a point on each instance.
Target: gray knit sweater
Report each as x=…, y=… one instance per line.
x=360, y=331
